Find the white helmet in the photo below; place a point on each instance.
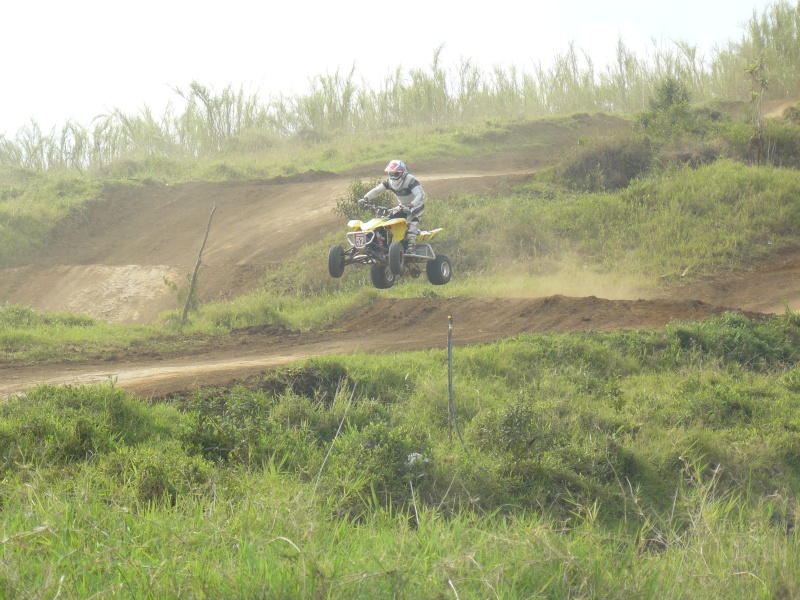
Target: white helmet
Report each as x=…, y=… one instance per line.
x=397, y=170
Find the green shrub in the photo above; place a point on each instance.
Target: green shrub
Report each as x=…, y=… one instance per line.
x=691, y=151
x=377, y=465
x=321, y=379
x=224, y=425
x=161, y=473
x=757, y=344
x=792, y=380
x=782, y=144
x=58, y=425
x=256, y=427
x=607, y=164
x=347, y=206
x=792, y=114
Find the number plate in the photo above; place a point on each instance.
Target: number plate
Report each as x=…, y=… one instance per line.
x=361, y=240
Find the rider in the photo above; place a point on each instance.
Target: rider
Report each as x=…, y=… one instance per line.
x=410, y=197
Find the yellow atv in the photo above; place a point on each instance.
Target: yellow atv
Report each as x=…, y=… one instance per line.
x=381, y=244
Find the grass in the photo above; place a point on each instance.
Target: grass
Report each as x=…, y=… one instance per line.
x=706, y=219
x=32, y=204
x=27, y=335
x=641, y=464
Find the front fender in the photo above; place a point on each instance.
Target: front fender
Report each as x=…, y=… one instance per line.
x=397, y=227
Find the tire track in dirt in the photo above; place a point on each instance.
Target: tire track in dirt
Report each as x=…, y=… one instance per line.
x=386, y=326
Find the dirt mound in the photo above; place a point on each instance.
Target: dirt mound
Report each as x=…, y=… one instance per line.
x=489, y=319
x=154, y=233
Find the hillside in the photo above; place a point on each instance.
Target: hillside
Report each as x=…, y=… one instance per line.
x=112, y=260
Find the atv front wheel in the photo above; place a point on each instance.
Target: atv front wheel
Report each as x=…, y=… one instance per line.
x=396, y=256
x=336, y=261
x=382, y=277
x=438, y=270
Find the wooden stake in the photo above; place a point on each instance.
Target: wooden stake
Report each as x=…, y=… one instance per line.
x=196, y=269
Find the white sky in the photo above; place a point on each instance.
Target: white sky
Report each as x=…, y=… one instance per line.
x=75, y=59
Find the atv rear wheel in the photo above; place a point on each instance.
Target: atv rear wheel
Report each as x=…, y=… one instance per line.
x=396, y=256
x=382, y=277
x=439, y=270
x=336, y=261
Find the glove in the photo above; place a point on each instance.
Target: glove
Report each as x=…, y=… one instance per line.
x=363, y=202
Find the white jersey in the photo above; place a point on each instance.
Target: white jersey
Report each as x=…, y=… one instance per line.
x=409, y=193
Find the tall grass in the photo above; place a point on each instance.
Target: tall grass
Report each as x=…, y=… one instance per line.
x=220, y=123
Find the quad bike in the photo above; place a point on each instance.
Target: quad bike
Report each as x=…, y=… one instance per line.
x=381, y=244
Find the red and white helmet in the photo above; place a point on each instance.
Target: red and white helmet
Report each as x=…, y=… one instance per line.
x=396, y=170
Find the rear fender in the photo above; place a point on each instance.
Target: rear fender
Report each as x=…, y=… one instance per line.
x=426, y=236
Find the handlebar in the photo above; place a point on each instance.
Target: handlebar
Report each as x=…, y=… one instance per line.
x=380, y=211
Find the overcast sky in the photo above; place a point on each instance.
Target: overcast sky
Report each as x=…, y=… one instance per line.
x=75, y=59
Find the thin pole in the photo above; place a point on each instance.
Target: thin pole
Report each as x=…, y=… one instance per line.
x=451, y=407
x=451, y=403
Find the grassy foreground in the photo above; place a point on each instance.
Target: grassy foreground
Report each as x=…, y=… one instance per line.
x=651, y=464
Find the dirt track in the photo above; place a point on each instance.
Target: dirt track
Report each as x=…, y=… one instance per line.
x=252, y=351
x=112, y=259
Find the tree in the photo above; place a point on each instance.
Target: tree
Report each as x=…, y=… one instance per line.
x=758, y=85
x=670, y=92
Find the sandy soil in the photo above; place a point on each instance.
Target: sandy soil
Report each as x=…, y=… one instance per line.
x=114, y=260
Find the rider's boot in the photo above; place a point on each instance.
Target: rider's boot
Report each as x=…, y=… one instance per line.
x=411, y=237
x=411, y=245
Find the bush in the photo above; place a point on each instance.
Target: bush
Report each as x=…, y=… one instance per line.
x=347, y=206
x=690, y=151
x=225, y=425
x=59, y=425
x=607, y=164
x=155, y=474
x=376, y=465
x=782, y=144
x=758, y=344
x=792, y=114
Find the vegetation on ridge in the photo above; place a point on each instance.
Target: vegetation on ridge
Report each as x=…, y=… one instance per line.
x=241, y=134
